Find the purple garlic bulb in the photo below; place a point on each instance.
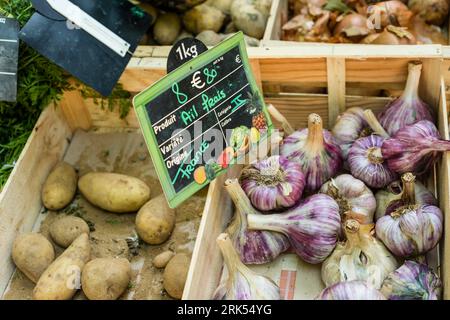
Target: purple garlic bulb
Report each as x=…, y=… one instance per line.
x=253, y=247
x=411, y=230
x=367, y=163
x=349, y=127
x=414, y=148
x=350, y=290
x=395, y=194
x=274, y=183
x=412, y=281
x=316, y=150
x=352, y=195
x=242, y=283
x=313, y=227
x=409, y=108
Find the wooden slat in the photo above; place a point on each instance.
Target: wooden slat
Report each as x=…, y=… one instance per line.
x=20, y=200
x=104, y=118
x=206, y=258
x=256, y=69
x=74, y=109
x=137, y=79
x=294, y=70
x=276, y=19
x=444, y=203
x=336, y=88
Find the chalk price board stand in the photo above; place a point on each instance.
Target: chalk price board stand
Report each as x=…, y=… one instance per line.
x=201, y=118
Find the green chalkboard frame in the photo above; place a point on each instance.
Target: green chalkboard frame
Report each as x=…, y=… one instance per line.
x=142, y=99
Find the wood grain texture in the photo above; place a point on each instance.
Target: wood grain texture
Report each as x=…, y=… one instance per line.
x=74, y=109
x=336, y=88
x=20, y=200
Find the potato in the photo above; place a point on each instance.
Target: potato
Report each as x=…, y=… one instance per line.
x=183, y=35
x=106, y=278
x=32, y=253
x=175, y=275
x=167, y=28
x=114, y=192
x=162, y=259
x=203, y=17
x=65, y=230
x=155, y=221
x=60, y=187
x=209, y=38
x=263, y=6
x=250, y=21
x=222, y=5
x=62, y=278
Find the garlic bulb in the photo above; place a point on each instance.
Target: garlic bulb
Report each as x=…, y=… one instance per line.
x=409, y=108
x=242, y=283
x=273, y=184
x=254, y=247
x=350, y=290
x=367, y=163
x=394, y=196
x=316, y=150
x=313, y=227
x=361, y=257
x=414, y=148
x=352, y=195
x=412, y=229
x=412, y=281
x=349, y=127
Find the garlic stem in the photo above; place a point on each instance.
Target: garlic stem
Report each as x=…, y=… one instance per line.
x=351, y=228
x=240, y=199
x=280, y=118
x=314, y=141
x=230, y=256
x=263, y=222
x=374, y=124
x=412, y=83
x=374, y=155
x=408, y=194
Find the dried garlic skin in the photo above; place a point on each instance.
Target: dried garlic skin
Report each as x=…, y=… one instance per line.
x=360, y=257
x=350, y=290
x=412, y=281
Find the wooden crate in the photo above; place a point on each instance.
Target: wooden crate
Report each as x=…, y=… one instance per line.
x=207, y=262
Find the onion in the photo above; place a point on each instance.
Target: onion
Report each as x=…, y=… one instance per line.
x=395, y=36
x=432, y=11
x=352, y=25
x=393, y=13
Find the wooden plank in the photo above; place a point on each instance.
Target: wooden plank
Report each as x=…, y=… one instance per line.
x=336, y=88
x=294, y=70
x=377, y=70
x=254, y=64
x=75, y=111
x=137, y=79
x=430, y=82
x=275, y=21
x=444, y=203
x=20, y=200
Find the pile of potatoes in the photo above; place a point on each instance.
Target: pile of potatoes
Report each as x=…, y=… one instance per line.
x=59, y=278
x=210, y=22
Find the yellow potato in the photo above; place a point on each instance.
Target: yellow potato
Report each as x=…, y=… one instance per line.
x=114, y=192
x=162, y=259
x=62, y=278
x=175, y=275
x=167, y=28
x=155, y=221
x=60, y=187
x=32, y=253
x=203, y=17
x=65, y=230
x=106, y=278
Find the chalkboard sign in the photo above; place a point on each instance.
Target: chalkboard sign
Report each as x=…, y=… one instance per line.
x=9, y=55
x=201, y=118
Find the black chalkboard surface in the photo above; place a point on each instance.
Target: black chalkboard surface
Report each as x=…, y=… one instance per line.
x=9, y=55
x=198, y=119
